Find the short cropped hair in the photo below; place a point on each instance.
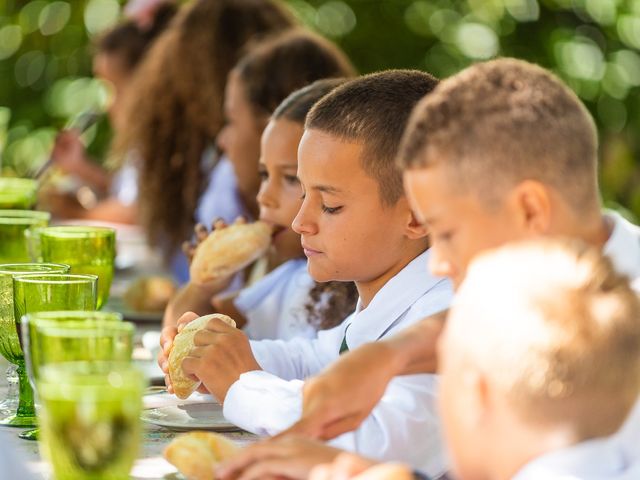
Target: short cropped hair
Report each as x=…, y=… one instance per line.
x=374, y=110
x=502, y=122
x=297, y=105
x=557, y=329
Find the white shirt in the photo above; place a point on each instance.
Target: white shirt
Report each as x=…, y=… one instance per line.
x=274, y=306
x=124, y=184
x=404, y=426
x=597, y=459
x=623, y=248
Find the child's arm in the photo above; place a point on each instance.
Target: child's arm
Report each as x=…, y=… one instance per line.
x=403, y=427
x=337, y=400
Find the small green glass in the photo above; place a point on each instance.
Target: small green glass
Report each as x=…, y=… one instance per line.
x=13, y=225
x=37, y=292
x=89, y=250
x=90, y=419
x=9, y=341
x=19, y=193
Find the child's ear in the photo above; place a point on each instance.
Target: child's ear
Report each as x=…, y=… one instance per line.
x=532, y=204
x=414, y=229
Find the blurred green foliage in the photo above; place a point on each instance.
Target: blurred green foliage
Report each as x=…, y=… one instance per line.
x=594, y=45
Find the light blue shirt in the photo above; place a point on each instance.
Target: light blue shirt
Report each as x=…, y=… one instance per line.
x=598, y=459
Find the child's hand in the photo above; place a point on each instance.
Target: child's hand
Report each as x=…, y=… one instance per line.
x=68, y=151
x=221, y=354
x=166, y=342
x=290, y=457
x=201, y=233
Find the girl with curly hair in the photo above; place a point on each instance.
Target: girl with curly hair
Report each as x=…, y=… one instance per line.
x=175, y=110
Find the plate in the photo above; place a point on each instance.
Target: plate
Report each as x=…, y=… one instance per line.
x=196, y=416
x=116, y=304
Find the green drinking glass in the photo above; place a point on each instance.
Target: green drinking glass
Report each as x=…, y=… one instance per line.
x=13, y=225
x=37, y=292
x=54, y=337
x=9, y=341
x=20, y=193
x=89, y=250
x=90, y=419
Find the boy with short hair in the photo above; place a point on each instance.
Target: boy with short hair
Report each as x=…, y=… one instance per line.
x=356, y=225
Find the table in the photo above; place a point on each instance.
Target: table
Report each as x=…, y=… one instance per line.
x=149, y=465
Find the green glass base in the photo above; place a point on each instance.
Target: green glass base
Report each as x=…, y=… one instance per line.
x=19, y=422
x=32, y=434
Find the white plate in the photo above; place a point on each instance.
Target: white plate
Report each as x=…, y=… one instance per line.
x=196, y=416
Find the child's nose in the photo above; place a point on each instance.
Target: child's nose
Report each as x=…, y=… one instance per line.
x=266, y=196
x=302, y=224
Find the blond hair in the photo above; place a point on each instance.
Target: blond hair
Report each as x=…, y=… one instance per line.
x=555, y=328
x=501, y=122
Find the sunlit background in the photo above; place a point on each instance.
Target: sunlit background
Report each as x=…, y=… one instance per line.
x=594, y=45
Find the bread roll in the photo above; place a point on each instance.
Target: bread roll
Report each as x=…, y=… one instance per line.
x=184, y=385
x=228, y=250
x=195, y=454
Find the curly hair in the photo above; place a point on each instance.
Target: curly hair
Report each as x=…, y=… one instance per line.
x=331, y=302
x=174, y=109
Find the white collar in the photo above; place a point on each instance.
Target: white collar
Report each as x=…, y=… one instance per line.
x=623, y=245
x=391, y=302
x=600, y=458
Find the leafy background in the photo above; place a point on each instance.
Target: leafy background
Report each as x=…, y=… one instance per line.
x=594, y=45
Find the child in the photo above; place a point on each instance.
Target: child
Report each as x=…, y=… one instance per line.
x=540, y=363
x=119, y=51
x=174, y=111
x=502, y=151
x=356, y=225
x=256, y=86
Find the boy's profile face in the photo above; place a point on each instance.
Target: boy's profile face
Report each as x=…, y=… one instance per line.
x=347, y=232
x=280, y=194
x=459, y=223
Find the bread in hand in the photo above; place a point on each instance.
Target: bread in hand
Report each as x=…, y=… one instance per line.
x=195, y=454
x=228, y=250
x=183, y=384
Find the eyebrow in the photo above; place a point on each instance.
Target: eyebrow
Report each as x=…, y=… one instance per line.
x=326, y=189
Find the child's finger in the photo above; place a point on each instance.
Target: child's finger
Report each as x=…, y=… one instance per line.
x=219, y=224
x=201, y=232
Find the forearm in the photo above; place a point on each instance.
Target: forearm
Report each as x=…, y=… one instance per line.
x=414, y=349
x=190, y=298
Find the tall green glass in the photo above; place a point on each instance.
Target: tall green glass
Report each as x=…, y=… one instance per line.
x=54, y=337
x=9, y=341
x=87, y=249
x=47, y=292
x=90, y=419
x=18, y=192
x=13, y=225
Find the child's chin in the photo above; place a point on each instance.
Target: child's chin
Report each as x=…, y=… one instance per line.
x=320, y=275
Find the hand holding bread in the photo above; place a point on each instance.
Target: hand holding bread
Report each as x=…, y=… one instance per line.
x=183, y=384
x=228, y=250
